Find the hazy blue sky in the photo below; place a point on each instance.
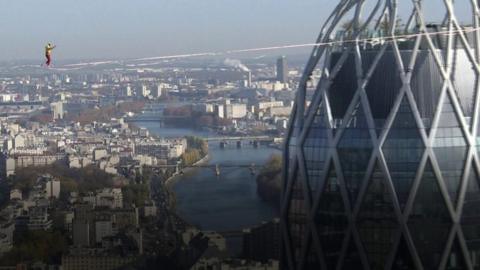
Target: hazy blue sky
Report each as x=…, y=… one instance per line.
x=141, y=28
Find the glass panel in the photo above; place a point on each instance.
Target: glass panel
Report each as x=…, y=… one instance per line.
x=382, y=87
x=464, y=81
x=352, y=257
x=316, y=149
x=403, y=259
x=331, y=220
x=311, y=261
x=354, y=150
x=470, y=219
x=297, y=218
x=426, y=85
x=403, y=150
x=429, y=221
x=377, y=221
x=344, y=85
x=456, y=261
x=450, y=149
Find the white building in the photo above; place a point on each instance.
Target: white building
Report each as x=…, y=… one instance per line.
x=235, y=110
x=109, y=197
x=57, y=110
x=145, y=91
x=99, y=153
x=128, y=91
x=52, y=188
x=19, y=141
x=103, y=228
x=15, y=194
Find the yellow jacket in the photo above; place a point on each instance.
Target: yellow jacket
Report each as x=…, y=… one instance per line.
x=48, y=49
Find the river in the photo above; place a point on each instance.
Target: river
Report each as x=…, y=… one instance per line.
x=225, y=202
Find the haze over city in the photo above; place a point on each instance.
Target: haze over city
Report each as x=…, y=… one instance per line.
x=240, y=134
x=123, y=29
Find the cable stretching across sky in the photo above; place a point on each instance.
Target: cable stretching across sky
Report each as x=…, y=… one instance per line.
x=279, y=47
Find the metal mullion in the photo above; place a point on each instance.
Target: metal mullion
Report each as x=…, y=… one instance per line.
x=445, y=75
x=306, y=198
x=329, y=162
x=344, y=249
x=396, y=205
x=476, y=112
x=391, y=187
x=414, y=188
x=411, y=18
x=346, y=118
x=348, y=115
x=322, y=86
x=381, y=18
x=464, y=40
x=322, y=38
x=288, y=193
x=318, y=247
x=476, y=25
x=412, y=249
x=448, y=246
x=368, y=115
x=364, y=185
x=464, y=247
x=398, y=58
x=287, y=245
x=312, y=111
x=319, y=192
x=413, y=57
x=342, y=186
x=359, y=246
x=372, y=13
x=437, y=115
x=346, y=203
x=464, y=183
x=329, y=118
x=391, y=117
x=324, y=77
x=441, y=183
x=408, y=92
x=453, y=97
x=396, y=244
x=429, y=40
x=448, y=62
x=459, y=114
x=476, y=109
x=408, y=208
x=304, y=248
x=476, y=159
x=417, y=117
x=324, y=177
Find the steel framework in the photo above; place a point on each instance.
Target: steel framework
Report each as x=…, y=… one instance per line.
x=334, y=215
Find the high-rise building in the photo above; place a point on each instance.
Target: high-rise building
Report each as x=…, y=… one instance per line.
x=381, y=170
x=262, y=243
x=57, y=110
x=282, y=70
x=128, y=91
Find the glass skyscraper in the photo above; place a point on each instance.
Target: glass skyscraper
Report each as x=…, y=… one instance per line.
x=381, y=168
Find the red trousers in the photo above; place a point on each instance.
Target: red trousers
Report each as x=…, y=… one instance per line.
x=49, y=59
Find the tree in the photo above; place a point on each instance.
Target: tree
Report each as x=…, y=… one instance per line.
x=269, y=180
x=31, y=246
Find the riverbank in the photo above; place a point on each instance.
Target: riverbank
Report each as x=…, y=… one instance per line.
x=269, y=181
x=172, y=179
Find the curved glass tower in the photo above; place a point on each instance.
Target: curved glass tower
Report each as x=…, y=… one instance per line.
x=381, y=168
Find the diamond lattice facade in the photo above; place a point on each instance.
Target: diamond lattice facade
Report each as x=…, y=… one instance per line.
x=381, y=168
